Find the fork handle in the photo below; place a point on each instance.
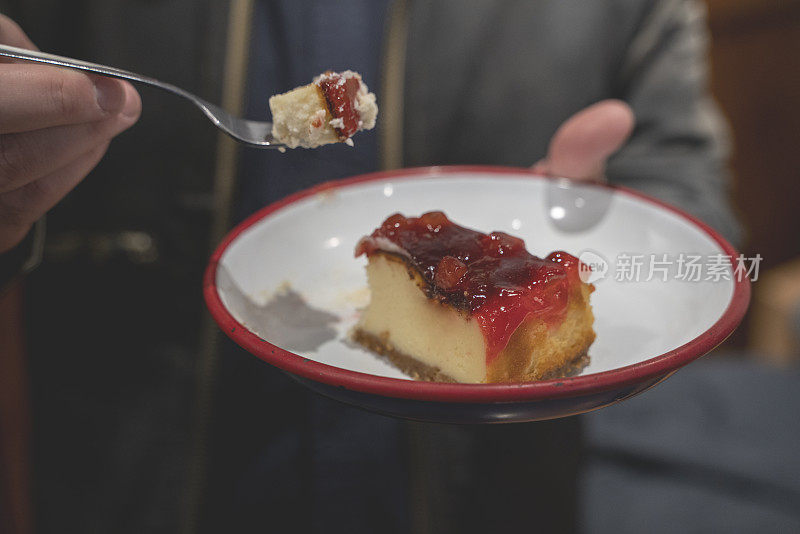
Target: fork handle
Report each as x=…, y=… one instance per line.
x=61, y=61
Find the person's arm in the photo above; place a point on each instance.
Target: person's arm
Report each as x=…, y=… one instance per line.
x=55, y=126
x=678, y=151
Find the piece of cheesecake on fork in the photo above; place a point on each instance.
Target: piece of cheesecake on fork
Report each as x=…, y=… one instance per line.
x=331, y=109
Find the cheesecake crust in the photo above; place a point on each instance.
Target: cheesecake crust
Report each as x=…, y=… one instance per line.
x=410, y=366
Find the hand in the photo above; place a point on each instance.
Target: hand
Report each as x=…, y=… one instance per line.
x=55, y=126
x=580, y=147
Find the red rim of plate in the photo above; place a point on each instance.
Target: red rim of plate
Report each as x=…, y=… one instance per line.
x=468, y=393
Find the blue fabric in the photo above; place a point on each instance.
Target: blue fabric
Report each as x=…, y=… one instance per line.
x=294, y=40
x=310, y=464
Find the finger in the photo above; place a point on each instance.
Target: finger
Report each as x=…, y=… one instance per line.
x=22, y=207
x=25, y=157
x=33, y=97
x=540, y=167
x=11, y=34
x=581, y=146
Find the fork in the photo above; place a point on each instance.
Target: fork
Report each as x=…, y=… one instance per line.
x=253, y=133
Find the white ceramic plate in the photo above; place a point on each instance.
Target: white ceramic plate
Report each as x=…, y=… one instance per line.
x=286, y=286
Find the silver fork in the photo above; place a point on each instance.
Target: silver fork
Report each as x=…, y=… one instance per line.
x=253, y=133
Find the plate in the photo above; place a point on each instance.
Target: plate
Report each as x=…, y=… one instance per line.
x=285, y=285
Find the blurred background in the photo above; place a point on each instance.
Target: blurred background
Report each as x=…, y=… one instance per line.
x=756, y=80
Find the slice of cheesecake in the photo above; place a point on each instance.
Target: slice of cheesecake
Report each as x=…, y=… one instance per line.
x=453, y=304
x=329, y=110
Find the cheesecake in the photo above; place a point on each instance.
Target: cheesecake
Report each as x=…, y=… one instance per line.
x=448, y=303
x=331, y=109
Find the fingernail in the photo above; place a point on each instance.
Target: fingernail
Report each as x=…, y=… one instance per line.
x=110, y=94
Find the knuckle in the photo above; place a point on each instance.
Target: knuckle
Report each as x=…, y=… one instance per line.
x=10, y=162
x=69, y=94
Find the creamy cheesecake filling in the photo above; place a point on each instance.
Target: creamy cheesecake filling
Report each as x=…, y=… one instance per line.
x=407, y=321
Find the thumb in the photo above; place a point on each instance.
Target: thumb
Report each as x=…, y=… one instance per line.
x=580, y=147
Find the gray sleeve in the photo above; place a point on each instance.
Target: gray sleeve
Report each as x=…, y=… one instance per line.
x=680, y=146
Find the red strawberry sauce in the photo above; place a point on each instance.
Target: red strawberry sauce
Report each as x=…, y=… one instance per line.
x=340, y=94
